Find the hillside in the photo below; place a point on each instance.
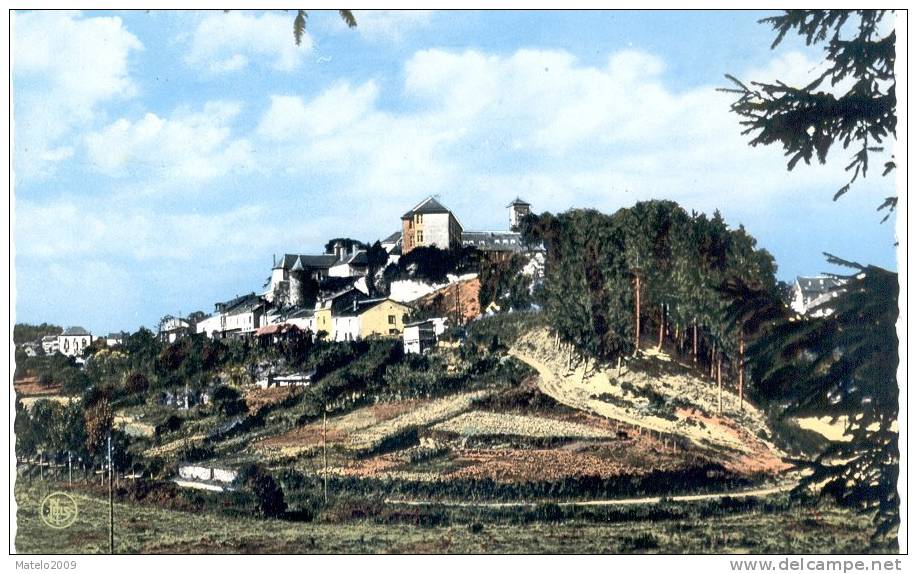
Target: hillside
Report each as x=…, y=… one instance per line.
x=660, y=396
x=657, y=420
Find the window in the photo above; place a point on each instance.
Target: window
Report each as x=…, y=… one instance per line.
x=419, y=218
x=391, y=319
x=420, y=237
x=393, y=331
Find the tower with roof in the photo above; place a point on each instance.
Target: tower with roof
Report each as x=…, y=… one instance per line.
x=518, y=209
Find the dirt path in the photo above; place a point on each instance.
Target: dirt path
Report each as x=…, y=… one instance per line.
x=756, y=493
x=733, y=435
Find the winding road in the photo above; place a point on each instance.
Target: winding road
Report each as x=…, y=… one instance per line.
x=755, y=493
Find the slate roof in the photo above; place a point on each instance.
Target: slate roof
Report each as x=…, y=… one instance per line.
x=240, y=304
x=358, y=259
x=75, y=331
x=493, y=240
x=813, y=287
x=429, y=205
x=393, y=238
x=290, y=260
x=518, y=201
x=362, y=306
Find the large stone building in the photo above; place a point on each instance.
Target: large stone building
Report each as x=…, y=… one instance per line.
x=430, y=224
x=290, y=272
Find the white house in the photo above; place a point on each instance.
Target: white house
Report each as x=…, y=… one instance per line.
x=812, y=292
x=237, y=317
x=73, y=341
x=172, y=329
x=419, y=337
x=210, y=325
x=352, y=264
x=115, y=339
x=49, y=344
x=207, y=478
x=392, y=242
x=31, y=349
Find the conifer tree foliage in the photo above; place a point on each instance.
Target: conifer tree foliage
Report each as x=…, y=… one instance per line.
x=842, y=366
x=807, y=120
x=594, y=261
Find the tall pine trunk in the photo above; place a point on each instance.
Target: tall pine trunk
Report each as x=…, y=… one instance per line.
x=712, y=359
x=741, y=370
x=695, y=341
x=661, y=326
x=719, y=384
x=637, y=342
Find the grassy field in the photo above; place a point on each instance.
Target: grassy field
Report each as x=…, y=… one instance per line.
x=772, y=526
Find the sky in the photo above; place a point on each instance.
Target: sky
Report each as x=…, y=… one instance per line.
x=162, y=158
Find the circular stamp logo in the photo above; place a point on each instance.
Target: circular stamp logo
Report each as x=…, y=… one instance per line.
x=58, y=510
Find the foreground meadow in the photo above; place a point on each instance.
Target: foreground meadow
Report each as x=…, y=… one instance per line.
x=730, y=526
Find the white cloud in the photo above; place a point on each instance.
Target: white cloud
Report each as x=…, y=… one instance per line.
x=479, y=127
x=227, y=42
x=390, y=25
x=62, y=229
x=187, y=146
x=64, y=67
x=336, y=109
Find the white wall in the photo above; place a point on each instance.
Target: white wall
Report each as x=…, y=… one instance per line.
x=340, y=270
x=408, y=290
x=345, y=328
x=210, y=325
x=436, y=230
x=73, y=345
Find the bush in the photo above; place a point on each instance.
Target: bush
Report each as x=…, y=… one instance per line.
x=228, y=401
x=268, y=494
x=136, y=383
x=302, y=494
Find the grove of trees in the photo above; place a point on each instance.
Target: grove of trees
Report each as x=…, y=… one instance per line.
x=649, y=274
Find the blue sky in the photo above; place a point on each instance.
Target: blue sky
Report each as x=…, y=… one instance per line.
x=161, y=158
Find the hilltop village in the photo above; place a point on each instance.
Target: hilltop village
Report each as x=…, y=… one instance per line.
x=356, y=290
x=415, y=283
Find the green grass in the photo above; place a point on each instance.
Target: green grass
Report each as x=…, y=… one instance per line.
x=777, y=527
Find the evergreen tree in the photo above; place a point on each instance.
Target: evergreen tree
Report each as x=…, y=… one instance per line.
x=843, y=366
x=807, y=120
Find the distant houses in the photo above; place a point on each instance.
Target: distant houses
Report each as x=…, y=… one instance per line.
x=419, y=337
x=811, y=295
x=50, y=344
x=116, y=339
x=238, y=317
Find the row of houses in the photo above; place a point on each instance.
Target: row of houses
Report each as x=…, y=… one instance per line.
x=348, y=315
x=72, y=342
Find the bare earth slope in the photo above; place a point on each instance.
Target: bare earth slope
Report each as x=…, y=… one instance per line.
x=689, y=403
